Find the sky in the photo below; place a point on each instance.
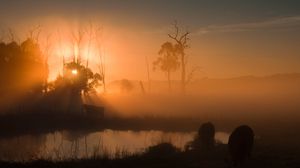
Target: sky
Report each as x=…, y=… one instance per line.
x=228, y=38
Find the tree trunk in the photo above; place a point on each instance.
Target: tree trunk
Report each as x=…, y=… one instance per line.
x=169, y=80
x=183, y=73
x=104, y=86
x=142, y=88
x=148, y=75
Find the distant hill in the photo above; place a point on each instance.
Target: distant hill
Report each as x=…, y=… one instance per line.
x=283, y=76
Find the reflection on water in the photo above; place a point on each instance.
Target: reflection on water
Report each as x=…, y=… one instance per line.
x=64, y=145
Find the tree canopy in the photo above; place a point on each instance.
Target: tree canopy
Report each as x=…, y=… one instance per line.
x=78, y=78
x=168, y=60
x=22, y=67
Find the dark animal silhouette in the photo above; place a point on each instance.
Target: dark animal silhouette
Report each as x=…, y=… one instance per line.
x=240, y=144
x=207, y=136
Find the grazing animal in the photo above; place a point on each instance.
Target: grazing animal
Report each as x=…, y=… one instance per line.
x=207, y=136
x=240, y=144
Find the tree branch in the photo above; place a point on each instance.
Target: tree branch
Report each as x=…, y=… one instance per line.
x=191, y=74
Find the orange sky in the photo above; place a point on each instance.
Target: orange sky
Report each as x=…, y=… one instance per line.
x=224, y=45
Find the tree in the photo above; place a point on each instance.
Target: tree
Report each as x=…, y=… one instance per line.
x=181, y=40
x=78, y=78
x=126, y=85
x=168, y=60
x=101, y=56
x=76, y=74
x=34, y=58
x=93, y=36
x=46, y=49
x=148, y=74
x=77, y=40
x=22, y=67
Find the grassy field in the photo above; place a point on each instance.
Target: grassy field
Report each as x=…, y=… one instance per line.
x=166, y=155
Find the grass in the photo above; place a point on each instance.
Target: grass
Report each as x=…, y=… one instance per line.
x=166, y=155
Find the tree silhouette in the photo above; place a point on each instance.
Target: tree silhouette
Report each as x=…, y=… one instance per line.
x=126, y=85
x=168, y=60
x=93, y=36
x=101, y=55
x=22, y=67
x=78, y=78
x=181, y=40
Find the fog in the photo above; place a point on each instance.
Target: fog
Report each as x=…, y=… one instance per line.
x=235, y=98
x=240, y=98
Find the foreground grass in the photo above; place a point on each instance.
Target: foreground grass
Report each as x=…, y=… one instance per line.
x=165, y=155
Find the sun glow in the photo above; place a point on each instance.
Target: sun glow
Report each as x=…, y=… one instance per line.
x=74, y=72
x=63, y=52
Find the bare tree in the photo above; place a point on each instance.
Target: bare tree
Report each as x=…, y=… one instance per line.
x=148, y=74
x=77, y=39
x=101, y=56
x=90, y=33
x=46, y=53
x=181, y=40
x=34, y=33
x=142, y=88
x=62, y=51
x=12, y=37
x=191, y=74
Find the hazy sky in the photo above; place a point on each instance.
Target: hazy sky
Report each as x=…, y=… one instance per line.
x=229, y=38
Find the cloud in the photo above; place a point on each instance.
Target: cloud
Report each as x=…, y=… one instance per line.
x=275, y=23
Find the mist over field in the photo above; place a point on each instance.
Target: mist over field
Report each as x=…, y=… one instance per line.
x=150, y=83
x=241, y=97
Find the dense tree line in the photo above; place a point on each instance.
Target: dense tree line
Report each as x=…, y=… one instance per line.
x=22, y=67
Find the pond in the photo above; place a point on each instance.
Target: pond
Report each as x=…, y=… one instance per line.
x=107, y=143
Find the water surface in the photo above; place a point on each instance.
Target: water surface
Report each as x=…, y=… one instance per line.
x=109, y=143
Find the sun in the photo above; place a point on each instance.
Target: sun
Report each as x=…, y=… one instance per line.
x=74, y=72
